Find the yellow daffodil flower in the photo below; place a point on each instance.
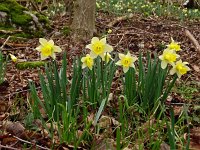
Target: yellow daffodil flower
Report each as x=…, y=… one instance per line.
x=87, y=62
x=174, y=45
x=47, y=48
x=107, y=57
x=13, y=58
x=109, y=31
x=126, y=61
x=99, y=47
x=168, y=57
x=180, y=68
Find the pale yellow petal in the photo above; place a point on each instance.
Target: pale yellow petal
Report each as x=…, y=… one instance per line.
x=128, y=54
x=179, y=75
x=43, y=57
x=172, y=71
x=161, y=57
x=132, y=65
x=51, y=42
x=125, y=69
x=108, y=48
x=42, y=41
x=94, y=40
x=53, y=55
x=163, y=64
x=121, y=56
x=119, y=63
x=39, y=48
x=103, y=40
x=89, y=46
x=57, y=49
x=84, y=65
x=83, y=59
x=93, y=55
x=101, y=55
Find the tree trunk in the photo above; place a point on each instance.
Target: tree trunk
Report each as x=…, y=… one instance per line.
x=83, y=23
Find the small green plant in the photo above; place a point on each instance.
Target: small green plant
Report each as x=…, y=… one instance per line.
x=147, y=8
x=2, y=68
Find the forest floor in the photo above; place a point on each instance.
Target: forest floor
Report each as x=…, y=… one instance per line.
x=135, y=34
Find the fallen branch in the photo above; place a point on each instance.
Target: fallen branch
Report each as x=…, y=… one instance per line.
x=193, y=40
x=41, y=147
x=8, y=147
x=119, y=19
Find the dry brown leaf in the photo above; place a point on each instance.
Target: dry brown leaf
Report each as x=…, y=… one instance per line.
x=104, y=122
x=196, y=68
x=15, y=128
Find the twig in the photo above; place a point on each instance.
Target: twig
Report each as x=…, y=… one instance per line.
x=8, y=147
x=45, y=148
x=5, y=42
x=193, y=40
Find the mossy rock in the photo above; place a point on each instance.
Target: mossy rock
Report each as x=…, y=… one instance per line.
x=14, y=15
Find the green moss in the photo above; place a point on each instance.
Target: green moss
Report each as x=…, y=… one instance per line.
x=42, y=18
x=20, y=19
x=30, y=64
x=66, y=30
x=4, y=8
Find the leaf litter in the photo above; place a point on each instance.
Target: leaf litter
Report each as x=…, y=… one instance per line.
x=135, y=33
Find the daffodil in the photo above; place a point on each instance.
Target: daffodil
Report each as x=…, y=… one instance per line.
x=99, y=47
x=180, y=68
x=126, y=61
x=109, y=31
x=13, y=58
x=87, y=62
x=174, y=45
x=47, y=48
x=107, y=57
x=168, y=57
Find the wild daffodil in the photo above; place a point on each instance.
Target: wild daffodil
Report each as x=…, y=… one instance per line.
x=87, y=62
x=168, y=57
x=126, y=61
x=174, y=45
x=13, y=58
x=47, y=48
x=99, y=47
x=179, y=68
x=107, y=57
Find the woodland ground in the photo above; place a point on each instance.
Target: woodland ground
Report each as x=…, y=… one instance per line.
x=135, y=34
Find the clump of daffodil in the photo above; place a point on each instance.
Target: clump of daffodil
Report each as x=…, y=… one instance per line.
x=87, y=62
x=126, y=61
x=168, y=57
x=13, y=57
x=99, y=47
x=179, y=68
x=107, y=57
x=47, y=48
x=174, y=45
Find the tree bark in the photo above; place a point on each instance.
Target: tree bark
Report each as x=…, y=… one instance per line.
x=83, y=23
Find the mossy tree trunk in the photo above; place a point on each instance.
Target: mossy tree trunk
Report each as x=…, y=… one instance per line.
x=83, y=23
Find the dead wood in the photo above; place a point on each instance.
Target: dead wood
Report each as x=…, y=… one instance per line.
x=193, y=40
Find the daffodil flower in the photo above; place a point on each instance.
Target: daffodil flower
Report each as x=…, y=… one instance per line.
x=87, y=62
x=47, y=48
x=13, y=58
x=99, y=47
x=107, y=57
x=174, y=45
x=109, y=31
x=168, y=57
x=179, y=68
x=126, y=61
